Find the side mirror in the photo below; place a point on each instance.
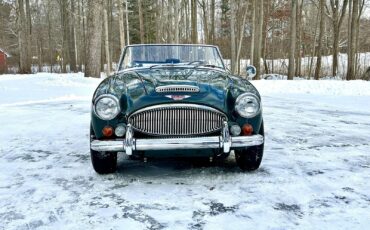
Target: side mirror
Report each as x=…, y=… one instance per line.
x=251, y=71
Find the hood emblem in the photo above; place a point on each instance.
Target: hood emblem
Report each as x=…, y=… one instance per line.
x=177, y=97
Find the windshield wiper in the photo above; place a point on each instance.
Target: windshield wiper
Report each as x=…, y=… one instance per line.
x=151, y=67
x=197, y=64
x=208, y=65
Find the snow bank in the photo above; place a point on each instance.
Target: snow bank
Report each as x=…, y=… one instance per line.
x=309, y=64
x=45, y=87
x=322, y=87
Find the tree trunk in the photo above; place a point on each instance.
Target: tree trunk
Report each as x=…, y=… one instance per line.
x=106, y=39
x=321, y=36
x=337, y=19
x=127, y=25
x=94, y=38
x=361, y=4
x=24, y=64
x=63, y=4
x=71, y=39
x=293, y=39
x=29, y=33
x=298, y=71
x=313, y=50
x=212, y=37
x=264, y=40
x=158, y=21
x=335, y=51
x=194, y=27
x=352, y=41
x=77, y=37
x=252, y=30
x=237, y=63
x=257, y=30
x=232, y=36
x=39, y=40
x=205, y=22
x=50, y=46
x=141, y=22
x=84, y=33
x=187, y=21
x=121, y=22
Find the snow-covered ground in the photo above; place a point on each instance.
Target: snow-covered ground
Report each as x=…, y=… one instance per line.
x=315, y=173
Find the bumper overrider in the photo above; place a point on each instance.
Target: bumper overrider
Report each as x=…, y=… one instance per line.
x=225, y=141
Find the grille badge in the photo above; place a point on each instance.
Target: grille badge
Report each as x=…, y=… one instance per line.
x=178, y=97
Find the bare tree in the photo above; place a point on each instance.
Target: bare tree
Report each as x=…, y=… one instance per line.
x=24, y=55
x=241, y=36
x=141, y=22
x=336, y=16
x=361, y=5
x=352, y=40
x=203, y=5
x=253, y=26
x=28, y=32
x=293, y=39
x=106, y=38
x=56, y=31
x=71, y=39
x=94, y=38
x=50, y=41
x=64, y=20
x=320, y=41
x=121, y=22
x=257, y=33
x=194, y=27
x=213, y=18
x=233, y=36
x=127, y=24
x=298, y=56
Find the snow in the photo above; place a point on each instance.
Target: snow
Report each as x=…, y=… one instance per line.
x=308, y=65
x=315, y=172
x=323, y=87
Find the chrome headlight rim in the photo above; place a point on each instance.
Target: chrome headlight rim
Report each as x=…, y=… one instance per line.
x=242, y=96
x=114, y=98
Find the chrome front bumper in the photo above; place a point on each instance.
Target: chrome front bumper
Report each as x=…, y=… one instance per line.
x=224, y=141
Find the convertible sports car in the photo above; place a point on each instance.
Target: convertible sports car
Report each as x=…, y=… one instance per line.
x=175, y=100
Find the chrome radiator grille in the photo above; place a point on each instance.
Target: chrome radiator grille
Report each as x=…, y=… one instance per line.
x=177, y=120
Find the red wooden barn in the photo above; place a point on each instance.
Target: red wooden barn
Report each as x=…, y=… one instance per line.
x=3, y=65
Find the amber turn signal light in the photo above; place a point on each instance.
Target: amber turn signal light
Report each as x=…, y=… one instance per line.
x=107, y=131
x=247, y=130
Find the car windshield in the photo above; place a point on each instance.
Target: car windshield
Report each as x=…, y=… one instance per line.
x=159, y=55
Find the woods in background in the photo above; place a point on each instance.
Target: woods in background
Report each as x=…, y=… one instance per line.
x=88, y=35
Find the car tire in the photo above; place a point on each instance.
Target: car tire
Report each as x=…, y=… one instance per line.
x=250, y=159
x=102, y=162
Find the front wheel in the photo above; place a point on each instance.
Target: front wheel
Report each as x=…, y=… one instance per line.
x=249, y=159
x=104, y=162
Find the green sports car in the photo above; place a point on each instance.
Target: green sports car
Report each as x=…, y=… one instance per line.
x=175, y=101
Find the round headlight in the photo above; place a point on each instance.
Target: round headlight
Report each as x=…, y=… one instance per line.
x=247, y=105
x=107, y=107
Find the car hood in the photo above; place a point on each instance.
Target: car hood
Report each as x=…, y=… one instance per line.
x=137, y=88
